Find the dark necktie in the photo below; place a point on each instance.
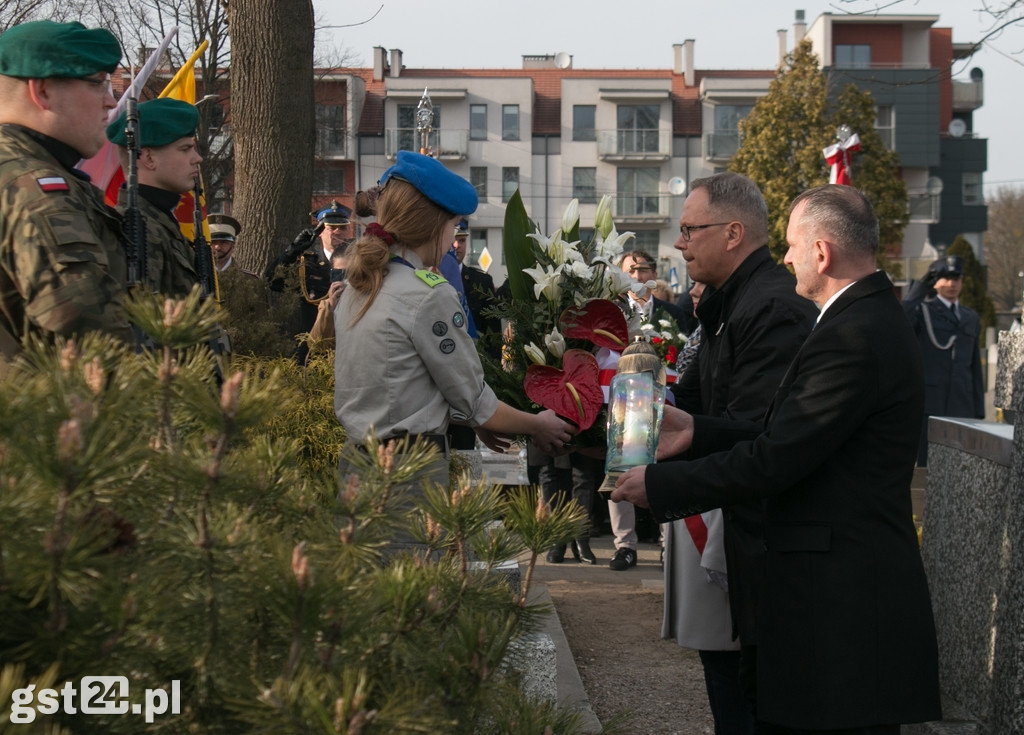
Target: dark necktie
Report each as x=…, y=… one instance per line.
x=952, y=309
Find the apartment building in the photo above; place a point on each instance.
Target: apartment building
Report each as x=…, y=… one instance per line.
x=557, y=133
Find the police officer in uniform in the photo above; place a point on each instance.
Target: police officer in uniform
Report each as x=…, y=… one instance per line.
x=312, y=249
x=407, y=366
x=948, y=333
x=167, y=168
x=62, y=262
x=224, y=231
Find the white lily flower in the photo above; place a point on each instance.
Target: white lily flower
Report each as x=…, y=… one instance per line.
x=603, y=217
x=555, y=343
x=535, y=353
x=547, y=282
x=664, y=323
x=611, y=246
x=620, y=281
x=571, y=215
x=579, y=269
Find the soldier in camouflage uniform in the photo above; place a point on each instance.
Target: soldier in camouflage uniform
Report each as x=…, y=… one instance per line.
x=62, y=262
x=168, y=165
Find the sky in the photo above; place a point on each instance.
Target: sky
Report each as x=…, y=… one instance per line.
x=728, y=34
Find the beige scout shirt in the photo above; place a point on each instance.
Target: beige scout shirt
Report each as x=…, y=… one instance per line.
x=408, y=365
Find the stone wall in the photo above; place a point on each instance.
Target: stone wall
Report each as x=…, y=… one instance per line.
x=973, y=550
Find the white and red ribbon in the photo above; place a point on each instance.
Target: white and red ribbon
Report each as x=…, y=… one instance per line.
x=838, y=156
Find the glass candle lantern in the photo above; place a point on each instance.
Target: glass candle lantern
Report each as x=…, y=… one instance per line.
x=636, y=402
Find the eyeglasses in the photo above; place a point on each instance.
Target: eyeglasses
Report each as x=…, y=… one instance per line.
x=641, y=267
x=687, y=230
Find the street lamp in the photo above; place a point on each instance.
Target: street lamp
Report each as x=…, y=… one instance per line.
x=1020, y=275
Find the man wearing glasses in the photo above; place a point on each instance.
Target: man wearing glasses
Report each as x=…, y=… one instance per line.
x=62, y=264
x=752, y=322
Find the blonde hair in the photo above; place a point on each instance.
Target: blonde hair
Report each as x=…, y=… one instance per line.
x=411, y=219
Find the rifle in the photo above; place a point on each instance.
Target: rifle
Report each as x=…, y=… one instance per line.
x=134, y=227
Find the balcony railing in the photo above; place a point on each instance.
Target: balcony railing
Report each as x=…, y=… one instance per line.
x=451, y=144
x=649, y=144
x=968, y=95
x=331, y=143
x=641, y=207
x=721, y=145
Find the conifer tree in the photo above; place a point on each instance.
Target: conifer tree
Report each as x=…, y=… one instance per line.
x=783, y=139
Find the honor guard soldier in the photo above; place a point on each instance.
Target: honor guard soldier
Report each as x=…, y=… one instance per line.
x=62, y=262
x=224, y=230
x=948, y=333
x=312, y=250
x=167, y=167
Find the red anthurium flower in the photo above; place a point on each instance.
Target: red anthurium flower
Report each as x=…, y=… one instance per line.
x=598, y=321
x=574, y=392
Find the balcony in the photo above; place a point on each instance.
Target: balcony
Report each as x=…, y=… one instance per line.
x=331, y=144
x=642, y=208
x=634, y=145
x=721, y=145
x=444, y=144
x=968, y=96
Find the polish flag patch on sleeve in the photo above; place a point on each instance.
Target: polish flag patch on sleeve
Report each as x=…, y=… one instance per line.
x=53, y=183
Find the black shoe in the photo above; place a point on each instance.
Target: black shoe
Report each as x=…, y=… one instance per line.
x=556, y=555
x=581, y=550
x=624, y=559
x=662, y=558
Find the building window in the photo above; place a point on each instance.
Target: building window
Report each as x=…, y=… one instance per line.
x=885, y=125
x=510, y=122
x=478, y=178
x=408, y=133
x=478, y=122
x=972, y=188
x=853, y=56
x=724, y=140
x=330, y=130
x=477, y=243
x=648, y=241
x=638, y=128
x=584, y=185
x=509, y=182
x=637, y=192
x=583, y=122
x=327, y=180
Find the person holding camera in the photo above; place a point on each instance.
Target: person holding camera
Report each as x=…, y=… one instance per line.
x=948, y=334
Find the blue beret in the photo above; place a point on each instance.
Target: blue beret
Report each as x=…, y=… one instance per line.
x=336, y=215
x=43, y=49
x=449, y=191
x=161, y=122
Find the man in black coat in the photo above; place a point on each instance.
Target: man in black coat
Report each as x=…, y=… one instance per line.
x=846, y=638
x=477, y=285
x=948, y=333
x=753, y=322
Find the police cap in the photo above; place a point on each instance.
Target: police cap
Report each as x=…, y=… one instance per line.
x=462, y=228
x=224, y=227
x=951, y=266
x=161, y=122
x=449, y=191
x=43, y=49
x=335, y=215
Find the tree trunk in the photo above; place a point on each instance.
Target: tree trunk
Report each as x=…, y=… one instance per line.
x=272, y=123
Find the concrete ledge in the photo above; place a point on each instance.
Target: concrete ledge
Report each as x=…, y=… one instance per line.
x=985, y=439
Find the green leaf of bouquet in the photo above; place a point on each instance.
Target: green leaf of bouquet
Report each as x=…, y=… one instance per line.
x=518, y=248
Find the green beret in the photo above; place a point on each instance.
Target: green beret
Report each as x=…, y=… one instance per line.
x=43, y=49
x=161, y=121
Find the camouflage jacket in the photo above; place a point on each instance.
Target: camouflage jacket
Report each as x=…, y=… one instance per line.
x=170, y=260
x=62, y=261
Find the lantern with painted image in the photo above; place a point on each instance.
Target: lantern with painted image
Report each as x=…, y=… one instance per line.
x=636, y=402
